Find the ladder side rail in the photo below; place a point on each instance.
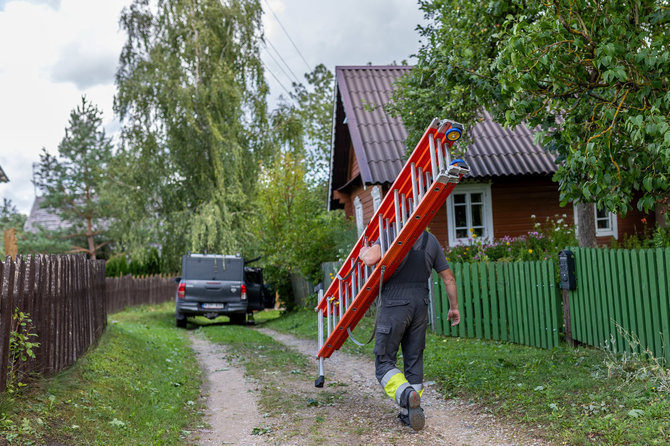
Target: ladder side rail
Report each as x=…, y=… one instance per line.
x=403, y=183
x=391, y=260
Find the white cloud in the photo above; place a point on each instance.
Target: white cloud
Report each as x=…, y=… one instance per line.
x=53, y=51
x=84, y=67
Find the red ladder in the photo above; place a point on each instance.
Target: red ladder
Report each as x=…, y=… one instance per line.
x=422, y=186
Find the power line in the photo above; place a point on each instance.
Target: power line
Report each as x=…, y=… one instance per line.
x=289, y=37
x=278, y=64
x=276, y=78
x=267, y=42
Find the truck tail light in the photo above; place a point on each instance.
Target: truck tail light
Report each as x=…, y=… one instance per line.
x=181, y=291
x=243, y=288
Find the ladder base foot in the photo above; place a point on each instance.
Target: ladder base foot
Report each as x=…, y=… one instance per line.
x=319, y=381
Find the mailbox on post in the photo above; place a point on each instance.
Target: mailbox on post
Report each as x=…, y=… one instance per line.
x=566, y=266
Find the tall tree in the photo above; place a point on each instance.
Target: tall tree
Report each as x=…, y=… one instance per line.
x=294, y=231
x=304, y=122
x=592, y=76
x=191, y=97
x=71, y=181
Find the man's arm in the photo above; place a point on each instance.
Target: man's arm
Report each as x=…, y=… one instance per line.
x=370, y=256
x=450, y=284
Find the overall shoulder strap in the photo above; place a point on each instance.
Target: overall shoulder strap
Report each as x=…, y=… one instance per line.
x=424, y=241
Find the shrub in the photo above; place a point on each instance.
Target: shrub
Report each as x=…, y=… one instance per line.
x=544, y=242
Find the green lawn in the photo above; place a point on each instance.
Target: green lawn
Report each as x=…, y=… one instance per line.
x=140, y=386
x=570, y=396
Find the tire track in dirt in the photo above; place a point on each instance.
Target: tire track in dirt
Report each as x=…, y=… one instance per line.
x=362, y=414
x=232, y=410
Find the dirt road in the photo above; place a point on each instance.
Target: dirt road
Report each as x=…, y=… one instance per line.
x=350, y=409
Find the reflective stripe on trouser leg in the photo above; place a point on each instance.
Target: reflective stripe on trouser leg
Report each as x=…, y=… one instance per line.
x=418, y=388
x=394, y=384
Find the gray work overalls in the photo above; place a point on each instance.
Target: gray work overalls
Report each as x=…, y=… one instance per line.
x=402, y=319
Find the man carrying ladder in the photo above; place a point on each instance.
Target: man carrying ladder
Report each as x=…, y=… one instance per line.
x=407, y=254
x=402, y=320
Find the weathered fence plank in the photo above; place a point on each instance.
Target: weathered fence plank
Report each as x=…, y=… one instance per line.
x=68, y=299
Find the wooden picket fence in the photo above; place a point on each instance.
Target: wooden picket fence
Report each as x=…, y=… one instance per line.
x=622, y=294
x=517, y=302
x=68, y=299
x=128, y=291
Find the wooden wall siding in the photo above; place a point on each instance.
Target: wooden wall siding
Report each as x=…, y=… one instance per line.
x=516, y=302
x=515, y=199
x=67, y=298
x=438, y=226
x=622, y=293
x=353, y=169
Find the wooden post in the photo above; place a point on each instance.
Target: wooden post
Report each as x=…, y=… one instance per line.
x=11, y=248
x=566, y=318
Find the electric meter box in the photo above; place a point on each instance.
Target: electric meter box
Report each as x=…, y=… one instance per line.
x=566, y=266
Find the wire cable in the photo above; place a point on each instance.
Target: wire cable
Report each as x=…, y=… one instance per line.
x=279, y=65
x=309, y=69
x=276, y=78
x=267, y=42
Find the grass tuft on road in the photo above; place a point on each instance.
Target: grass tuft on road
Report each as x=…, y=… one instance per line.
x=140, y=386
x=571, y=396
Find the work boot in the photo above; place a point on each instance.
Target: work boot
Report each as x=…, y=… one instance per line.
x=415, y=417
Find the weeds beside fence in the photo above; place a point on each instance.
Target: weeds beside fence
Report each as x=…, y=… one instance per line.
x=66, y=299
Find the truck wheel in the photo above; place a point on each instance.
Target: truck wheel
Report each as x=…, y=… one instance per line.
x=237, y=319
x=181, y=323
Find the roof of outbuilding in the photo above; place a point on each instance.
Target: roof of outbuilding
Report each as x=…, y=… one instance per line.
x=46, y=218
x=379, y=139
x=3, y=176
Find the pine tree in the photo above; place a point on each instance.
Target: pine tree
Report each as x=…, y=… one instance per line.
x=72, y=181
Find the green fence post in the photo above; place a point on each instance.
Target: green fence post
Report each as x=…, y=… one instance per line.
x=664, y=292
x=460, y=278
x=654, y=298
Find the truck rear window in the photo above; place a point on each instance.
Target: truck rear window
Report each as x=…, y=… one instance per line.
x=199, y=268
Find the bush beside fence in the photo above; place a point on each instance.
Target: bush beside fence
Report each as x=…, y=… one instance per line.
x=68, y=299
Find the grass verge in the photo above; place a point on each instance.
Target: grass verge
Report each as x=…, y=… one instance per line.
x=140, y=386
x=569, y=396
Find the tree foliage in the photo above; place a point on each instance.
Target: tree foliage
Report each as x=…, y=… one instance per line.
x=294, y=231
x=71, y=181
x=591, y=77
x=191, y=97
x=594, y=76
x=303, y=120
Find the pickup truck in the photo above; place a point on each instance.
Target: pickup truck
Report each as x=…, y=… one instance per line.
x=213, y=285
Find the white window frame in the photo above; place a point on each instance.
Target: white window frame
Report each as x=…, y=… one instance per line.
x=611, y=217
x=487, y=218
x=358, y=211
x=376, y=198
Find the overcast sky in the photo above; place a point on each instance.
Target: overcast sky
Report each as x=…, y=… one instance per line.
x=53, y=51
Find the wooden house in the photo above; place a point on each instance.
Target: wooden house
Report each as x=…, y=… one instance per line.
x=510, y=181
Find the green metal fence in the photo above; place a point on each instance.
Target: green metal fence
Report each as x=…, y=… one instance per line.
x=620, y=294
x=516, y=302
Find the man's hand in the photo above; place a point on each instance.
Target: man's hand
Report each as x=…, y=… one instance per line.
x=370, y=256
x=454, y=316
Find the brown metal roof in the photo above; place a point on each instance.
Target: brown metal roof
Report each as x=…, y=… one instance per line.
x=379, y=139
x=3, y=176
x=497, y=151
